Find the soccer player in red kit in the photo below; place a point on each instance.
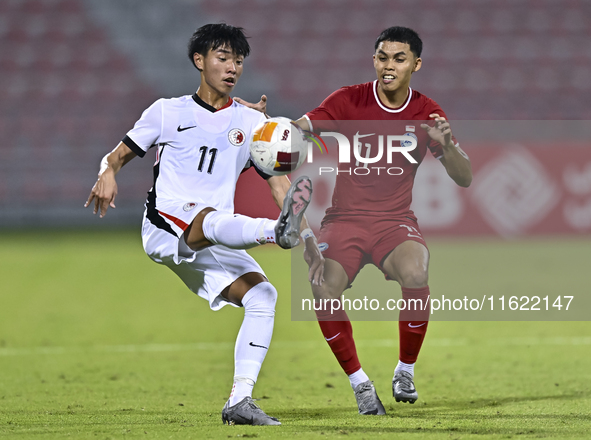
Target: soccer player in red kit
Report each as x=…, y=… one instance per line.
x=370, y=219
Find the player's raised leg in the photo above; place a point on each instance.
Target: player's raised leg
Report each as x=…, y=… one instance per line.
x=408, y=263
x=338, y=333
x=297, y=199
x=258, y=297
x=237, y=231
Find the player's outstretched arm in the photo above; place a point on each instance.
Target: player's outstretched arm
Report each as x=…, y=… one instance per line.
x=303, y=124
x=104, y=190
x=260, y=106
x=456, y=162
x=279, y=186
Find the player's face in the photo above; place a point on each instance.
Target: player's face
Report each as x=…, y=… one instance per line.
x=220, y=69
x=394, y=63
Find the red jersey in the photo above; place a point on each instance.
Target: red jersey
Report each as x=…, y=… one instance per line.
x=386, y=185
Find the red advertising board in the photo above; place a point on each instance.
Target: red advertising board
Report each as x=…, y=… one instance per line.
x=518, y=189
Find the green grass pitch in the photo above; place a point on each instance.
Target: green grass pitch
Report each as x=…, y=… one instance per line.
x=96, y=341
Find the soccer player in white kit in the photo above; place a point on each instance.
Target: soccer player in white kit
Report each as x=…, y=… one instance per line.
x=189, y=223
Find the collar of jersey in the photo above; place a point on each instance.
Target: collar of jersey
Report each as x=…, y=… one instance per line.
x=383, y=106
x=211, y=108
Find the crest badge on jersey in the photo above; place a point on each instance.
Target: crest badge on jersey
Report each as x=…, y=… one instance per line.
x=188, y=206
x=405, y=143
x=236, y=137
x=322, y=247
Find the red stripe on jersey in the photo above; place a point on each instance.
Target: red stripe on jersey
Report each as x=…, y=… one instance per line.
x=177, y=221
x=226, y=105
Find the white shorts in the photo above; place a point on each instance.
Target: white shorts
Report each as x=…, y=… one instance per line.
x=206, y=272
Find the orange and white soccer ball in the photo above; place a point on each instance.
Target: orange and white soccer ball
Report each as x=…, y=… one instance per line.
x=278, y=146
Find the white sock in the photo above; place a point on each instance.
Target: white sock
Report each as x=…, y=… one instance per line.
x=253, y=338
x=242, y=388
x=238, y=231
x=358, y=377
x=409, y=368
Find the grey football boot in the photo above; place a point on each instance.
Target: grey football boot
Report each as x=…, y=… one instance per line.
x=246, y=412
x=368, y=401
x=297, y=199
x=403, y=388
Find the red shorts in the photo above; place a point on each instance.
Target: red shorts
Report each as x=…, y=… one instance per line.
x=356, y=240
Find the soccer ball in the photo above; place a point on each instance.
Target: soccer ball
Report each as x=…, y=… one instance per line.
x=278, y=146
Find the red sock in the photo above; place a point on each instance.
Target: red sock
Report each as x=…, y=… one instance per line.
x=412, y=324
x=338, y=332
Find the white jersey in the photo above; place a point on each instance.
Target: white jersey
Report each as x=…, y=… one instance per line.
x=201, y=151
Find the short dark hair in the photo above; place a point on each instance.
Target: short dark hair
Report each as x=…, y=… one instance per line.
x=402, y=35
x=213, y=36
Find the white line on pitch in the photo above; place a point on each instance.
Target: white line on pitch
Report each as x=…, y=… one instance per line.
x=222, y=346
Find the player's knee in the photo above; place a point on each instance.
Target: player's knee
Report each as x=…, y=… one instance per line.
x=326, y=291
x=415, y=277
x=260, y=300
x=207, y=223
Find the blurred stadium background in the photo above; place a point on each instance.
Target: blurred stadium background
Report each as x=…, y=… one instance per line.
x=76, y=74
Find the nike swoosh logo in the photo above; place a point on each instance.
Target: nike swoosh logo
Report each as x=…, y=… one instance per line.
x=259, y=346
x=330, y=339
x=415, y=326
x=416, y=236
x=179, y=129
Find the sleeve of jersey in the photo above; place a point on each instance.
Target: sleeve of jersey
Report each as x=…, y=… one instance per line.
x=147, y=130
x=331, y=109
x=435, y=147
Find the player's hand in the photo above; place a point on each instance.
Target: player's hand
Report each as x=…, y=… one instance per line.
x=315, y=260
x=440, y=132
x=103, y=193
x=260, y=106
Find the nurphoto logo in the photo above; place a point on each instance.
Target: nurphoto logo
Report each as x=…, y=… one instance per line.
x=368, y=150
